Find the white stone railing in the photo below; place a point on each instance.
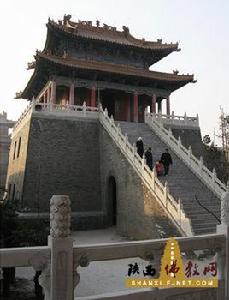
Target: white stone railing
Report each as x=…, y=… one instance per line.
x=76, y=110
x=161, y=193
x=58, y=109
x=172, y=119
x=196, y=165
x=59, y=261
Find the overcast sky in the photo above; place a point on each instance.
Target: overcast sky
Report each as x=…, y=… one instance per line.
x=200, y=26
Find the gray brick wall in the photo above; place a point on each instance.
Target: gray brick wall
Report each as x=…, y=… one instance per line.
x=63, y=158
x=189, y=137
x=76, y=157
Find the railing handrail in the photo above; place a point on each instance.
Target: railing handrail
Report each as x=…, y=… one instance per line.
x=24, y=257
x=65, y=107
x=173, y=117
x=174, y=209
x=61, y=250
x=50, y=107
x=192, y=122
x=195, y=165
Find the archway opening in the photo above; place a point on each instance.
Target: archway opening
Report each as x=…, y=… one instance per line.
x=112, y=201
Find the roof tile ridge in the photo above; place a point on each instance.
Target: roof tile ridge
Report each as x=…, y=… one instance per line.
x=125, y=33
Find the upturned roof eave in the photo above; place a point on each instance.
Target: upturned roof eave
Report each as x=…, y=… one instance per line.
x=27, y=92
x=158, y=46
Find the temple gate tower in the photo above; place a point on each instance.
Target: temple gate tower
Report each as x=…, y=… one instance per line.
x=87, y=79
x=82, y=62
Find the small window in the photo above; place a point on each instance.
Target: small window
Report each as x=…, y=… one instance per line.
x=19, y=147
x=15, y=146
x=13, y=193
x=9, y=191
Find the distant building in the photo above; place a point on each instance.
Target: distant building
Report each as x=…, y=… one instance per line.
x=5, y=124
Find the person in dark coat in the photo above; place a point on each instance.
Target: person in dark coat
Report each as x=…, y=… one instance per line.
x=167, y=161
x=149, y=158
x=140, y=147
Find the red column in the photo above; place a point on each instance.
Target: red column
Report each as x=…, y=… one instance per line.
x=168, y=106
x=128, y=108
x=135, y=107
x=93, y=96
x=153, y=104
x=71, y=94
x=53, y=92
x=48, y=94
x=159, y=107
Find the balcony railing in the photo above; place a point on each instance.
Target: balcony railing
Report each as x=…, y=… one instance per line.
x=192, y=122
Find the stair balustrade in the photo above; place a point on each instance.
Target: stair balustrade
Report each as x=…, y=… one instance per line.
x=195, y=165
x=160, y=192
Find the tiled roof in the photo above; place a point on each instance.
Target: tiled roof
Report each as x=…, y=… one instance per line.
x=115, y=68
x=109, y=34
x=46, y=64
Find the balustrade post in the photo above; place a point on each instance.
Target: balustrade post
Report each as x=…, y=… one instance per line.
x=213, y=175
x=134, y=152
x=179, y=211
x=201, y=163
x=84, y=109
x=189, y=154
x=223, y=255
x=126, y=141
x=169, y=135
x=119, y=135
x=143, y=165
x=61, y=245
x=179, y=142
x=154, y=176
x=197, y=119
x=166, y=191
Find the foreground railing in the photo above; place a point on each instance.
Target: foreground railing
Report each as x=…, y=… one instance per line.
x=159, y=191
x=196, y=165
x=59, y=261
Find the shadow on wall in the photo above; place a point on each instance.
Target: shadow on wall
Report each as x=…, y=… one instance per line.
x=111, y=200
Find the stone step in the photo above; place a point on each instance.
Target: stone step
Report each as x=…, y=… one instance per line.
x=182, y=182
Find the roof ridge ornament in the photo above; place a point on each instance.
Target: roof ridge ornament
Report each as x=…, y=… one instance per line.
x=31, y=65
x=176, y=72
x=66, y=18
x=126, y=30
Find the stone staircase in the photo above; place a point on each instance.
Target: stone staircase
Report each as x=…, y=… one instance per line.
x=182, y=183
